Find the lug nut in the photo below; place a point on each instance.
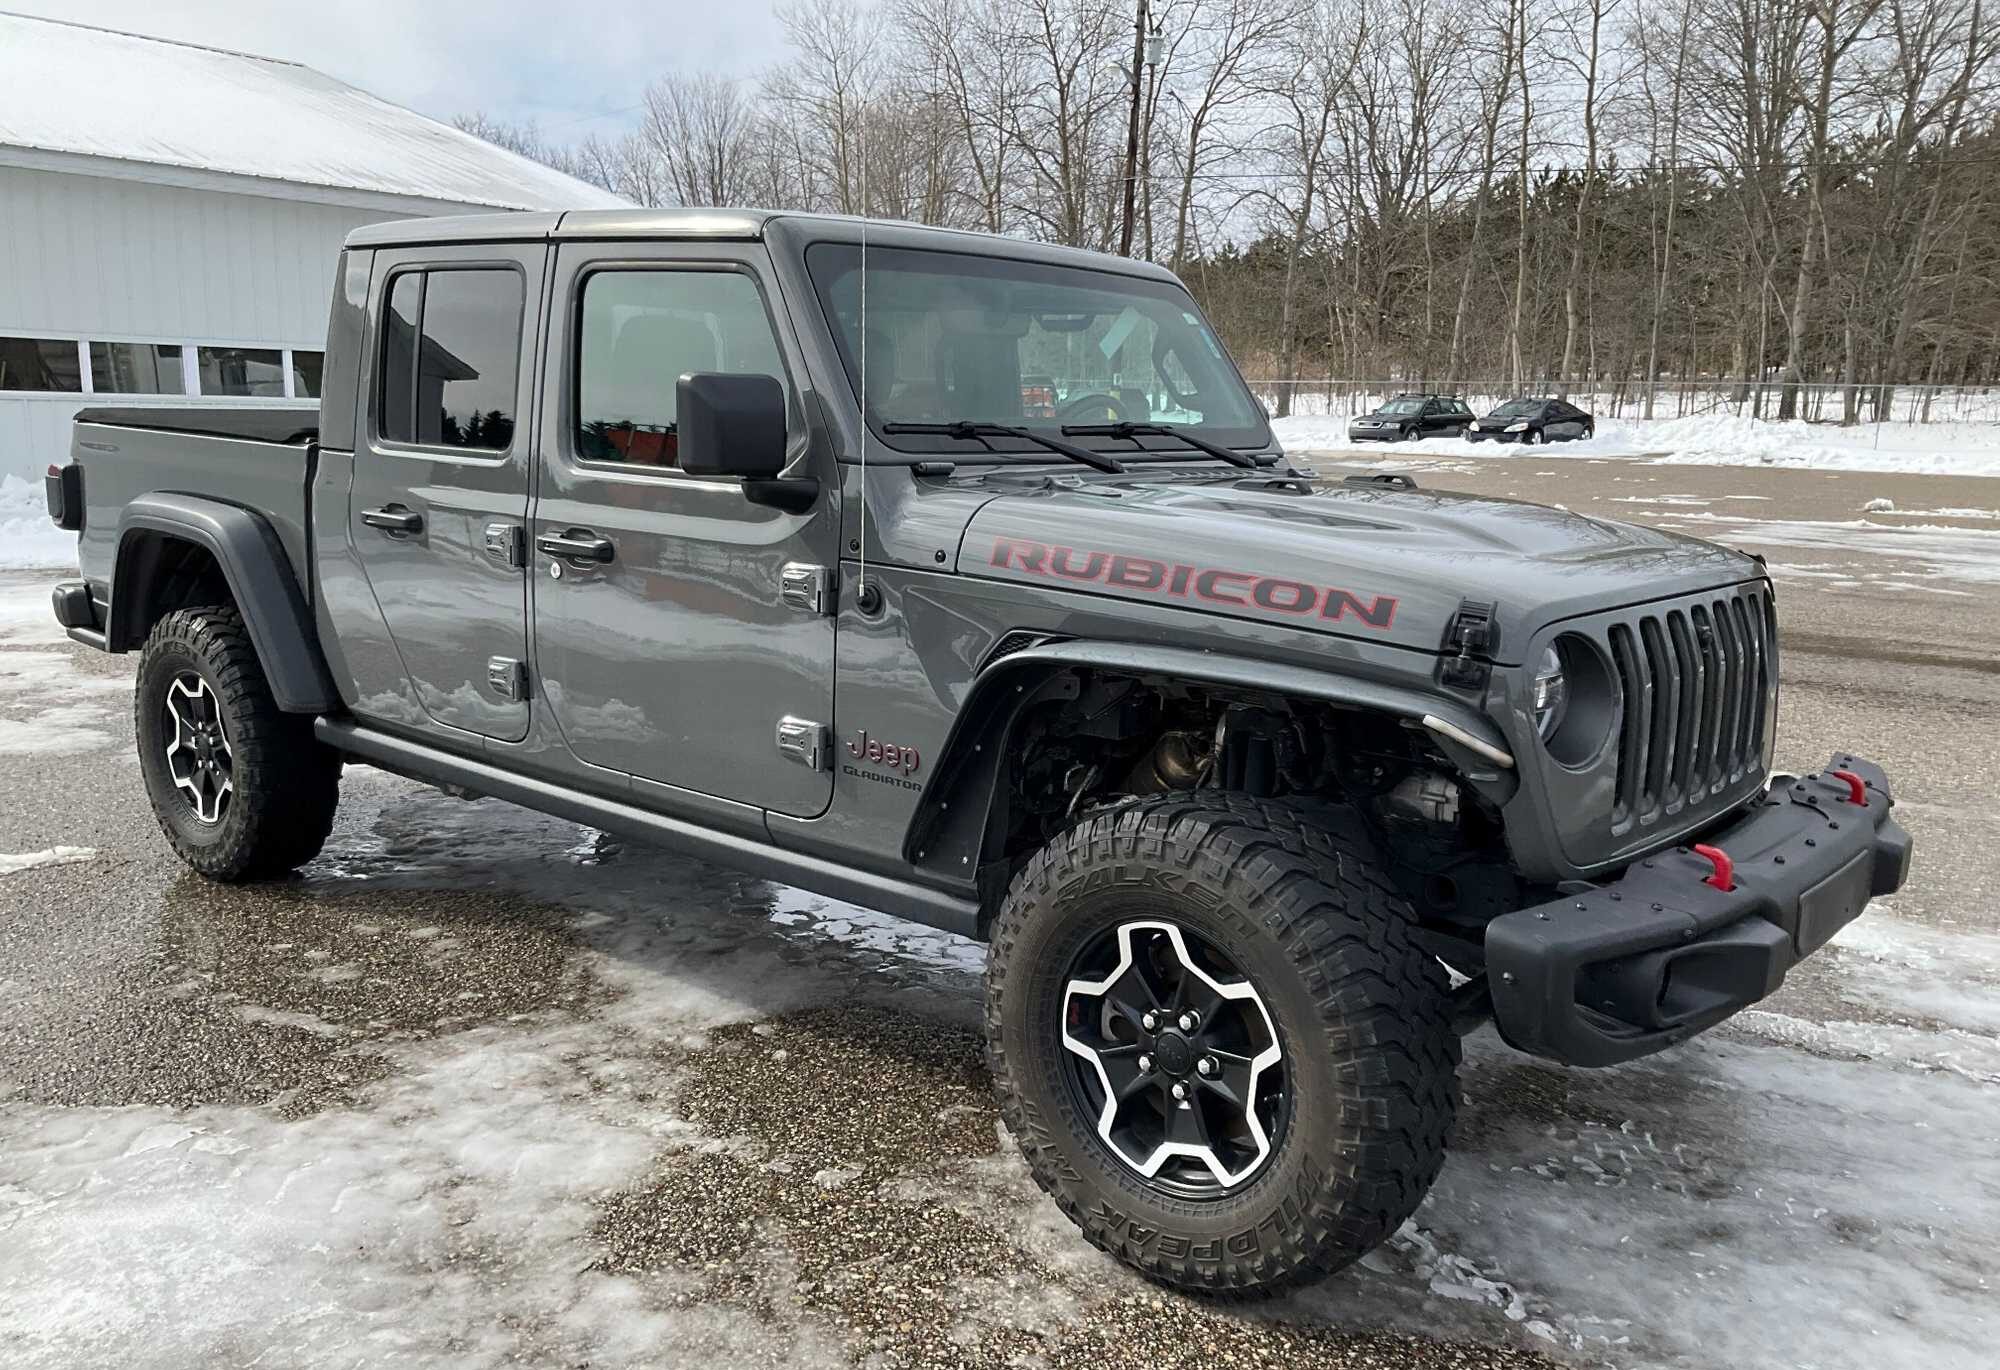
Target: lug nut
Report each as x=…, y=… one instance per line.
x=1205, y=1066
x=1190, y=1021
x=1180, y=1090
x=1150, y=1021
x=1145, y=1065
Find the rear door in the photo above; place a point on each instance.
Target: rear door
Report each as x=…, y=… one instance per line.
x=692, y=627
x=440, y=495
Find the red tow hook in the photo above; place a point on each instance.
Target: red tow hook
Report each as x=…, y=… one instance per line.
x=1857, y=788
x=1724, y=877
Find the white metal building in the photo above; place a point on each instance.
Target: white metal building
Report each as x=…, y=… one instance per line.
x=170, y=216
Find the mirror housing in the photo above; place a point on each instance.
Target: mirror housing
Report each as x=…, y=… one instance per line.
x=731, y=425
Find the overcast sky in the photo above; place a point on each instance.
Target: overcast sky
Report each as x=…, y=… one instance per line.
x=569, y=65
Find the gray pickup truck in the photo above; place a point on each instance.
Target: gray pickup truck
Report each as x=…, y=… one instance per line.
x=962, y=577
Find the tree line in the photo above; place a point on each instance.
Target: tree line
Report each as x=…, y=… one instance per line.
x=1563, y=194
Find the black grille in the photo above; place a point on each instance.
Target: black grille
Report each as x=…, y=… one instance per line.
x=1696, y=682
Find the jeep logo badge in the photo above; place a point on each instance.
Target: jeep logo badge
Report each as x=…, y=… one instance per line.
x=893, y=755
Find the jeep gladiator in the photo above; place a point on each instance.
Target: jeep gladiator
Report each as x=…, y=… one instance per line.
x=962, y=577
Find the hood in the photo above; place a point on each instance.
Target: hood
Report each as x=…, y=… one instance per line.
x=1376, y=562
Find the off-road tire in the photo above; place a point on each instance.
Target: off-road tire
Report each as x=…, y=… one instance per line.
x=1295, y=896
x=286, y=784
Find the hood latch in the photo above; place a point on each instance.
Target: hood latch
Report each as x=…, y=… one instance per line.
x=1469, y=642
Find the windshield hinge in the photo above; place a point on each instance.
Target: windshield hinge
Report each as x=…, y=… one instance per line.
x=1470, y=640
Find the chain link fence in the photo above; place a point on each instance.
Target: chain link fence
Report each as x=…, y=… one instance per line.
x=1669, y=399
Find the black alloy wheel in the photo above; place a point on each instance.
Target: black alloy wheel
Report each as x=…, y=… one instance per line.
x=1174, y=1055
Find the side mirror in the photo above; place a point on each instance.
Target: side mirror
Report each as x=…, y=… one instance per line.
x=731, y=425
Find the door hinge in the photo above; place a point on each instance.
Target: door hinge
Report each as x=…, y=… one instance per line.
x=1470, y=640
x=805, y=742
x=507, y=677
x=507, y=543
x=805, y=587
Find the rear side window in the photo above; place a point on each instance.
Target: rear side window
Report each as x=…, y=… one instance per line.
x=641, y=331
x=451, y=348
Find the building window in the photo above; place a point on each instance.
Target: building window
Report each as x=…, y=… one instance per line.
x=306, y=369
x=40, y=364
x=450, y=357
x=136, y=369
x=241, y=371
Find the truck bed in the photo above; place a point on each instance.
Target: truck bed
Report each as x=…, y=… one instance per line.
x=259, y=459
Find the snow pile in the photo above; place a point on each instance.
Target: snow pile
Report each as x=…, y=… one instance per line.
x=1960, y=449
x=50, y=856
x=27, y=538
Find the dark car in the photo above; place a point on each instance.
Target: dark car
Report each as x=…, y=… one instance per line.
x=1533, y=421
x=1408, y=417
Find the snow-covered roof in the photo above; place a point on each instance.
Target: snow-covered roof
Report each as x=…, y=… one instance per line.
x=69, y=91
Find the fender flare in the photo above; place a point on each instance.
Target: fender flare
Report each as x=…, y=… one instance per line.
x=949, y=833
x=260, y=577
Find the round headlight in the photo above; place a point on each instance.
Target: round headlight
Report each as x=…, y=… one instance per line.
x=1574, y=696
x=1551, y=694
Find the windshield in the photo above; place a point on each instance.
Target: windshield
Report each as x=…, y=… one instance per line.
x=1401, y=407
x=955, y=336
x=1518, y=409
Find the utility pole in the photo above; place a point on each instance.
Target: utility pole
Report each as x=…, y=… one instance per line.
x=1137, y=81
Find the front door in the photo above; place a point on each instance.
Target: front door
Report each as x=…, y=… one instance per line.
x=440, y=493
x=666, y=644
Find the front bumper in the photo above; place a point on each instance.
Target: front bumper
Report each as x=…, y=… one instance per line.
x=1374, y=435
x=1489, y=435
x=1639, y=963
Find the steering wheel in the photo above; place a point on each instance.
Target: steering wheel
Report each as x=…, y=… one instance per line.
x=1095, y=407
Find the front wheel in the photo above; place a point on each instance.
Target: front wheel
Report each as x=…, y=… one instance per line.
x=1536, y=437
x=1215, y=1041
x=241, y=790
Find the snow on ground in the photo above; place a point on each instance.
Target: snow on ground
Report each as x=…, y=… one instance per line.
x=1964, y=449
x=13, y=864
x=1801, y=1191
x=27, y=539
x=1949, y=559
x=48, y=704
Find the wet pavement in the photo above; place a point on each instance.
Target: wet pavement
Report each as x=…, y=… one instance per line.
x=480, y=1087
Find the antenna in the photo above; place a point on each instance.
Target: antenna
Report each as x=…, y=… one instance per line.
x=862, y=587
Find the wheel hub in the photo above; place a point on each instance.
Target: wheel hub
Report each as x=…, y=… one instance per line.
x=1174, y=1053
x=1176, y=1056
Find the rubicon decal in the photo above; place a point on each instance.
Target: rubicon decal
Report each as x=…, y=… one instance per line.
x=1215, y=584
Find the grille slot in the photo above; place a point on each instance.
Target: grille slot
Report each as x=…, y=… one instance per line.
x=1695, y=682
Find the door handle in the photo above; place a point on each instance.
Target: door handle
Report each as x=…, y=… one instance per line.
x=578, y=544
x=393, y=518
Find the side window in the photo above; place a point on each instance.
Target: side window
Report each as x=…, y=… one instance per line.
x=641, y=331
x=451, y=345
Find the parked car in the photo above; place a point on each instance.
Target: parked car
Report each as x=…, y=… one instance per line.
x=1533, y=421
x=1409, y=417
x=1226, y=765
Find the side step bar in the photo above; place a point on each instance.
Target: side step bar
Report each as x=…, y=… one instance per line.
x=903, y=898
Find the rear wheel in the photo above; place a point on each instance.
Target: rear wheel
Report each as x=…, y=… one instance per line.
x=241, y=790
x=1216, y=1043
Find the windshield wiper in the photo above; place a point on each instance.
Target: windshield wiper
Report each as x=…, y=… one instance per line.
x=973, y=428
x=1159, y=430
